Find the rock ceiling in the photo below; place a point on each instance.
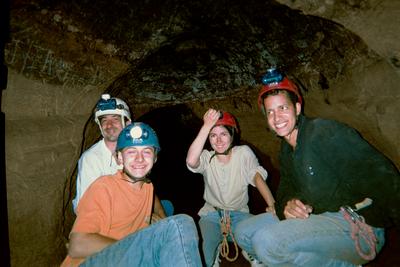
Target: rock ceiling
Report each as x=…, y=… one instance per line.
x=176, y=51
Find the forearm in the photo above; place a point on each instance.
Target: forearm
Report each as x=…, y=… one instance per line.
x=82, y=245
x=195, y=149
x=264, y=190
x=158, y=208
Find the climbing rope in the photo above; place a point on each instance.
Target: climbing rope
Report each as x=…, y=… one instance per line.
x=360, y=230
x=226, y=232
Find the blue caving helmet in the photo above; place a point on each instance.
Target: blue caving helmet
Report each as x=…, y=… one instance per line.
x=138, y=134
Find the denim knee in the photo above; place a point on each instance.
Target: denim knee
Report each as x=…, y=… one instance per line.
x=185, y=223
x=266, y=244
x=242, y=233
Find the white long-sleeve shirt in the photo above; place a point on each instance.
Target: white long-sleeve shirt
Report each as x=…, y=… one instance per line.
x=94, y=162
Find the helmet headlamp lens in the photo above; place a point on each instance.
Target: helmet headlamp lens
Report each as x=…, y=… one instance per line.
x=136, y=132
x=104, y=104
x=271, y=76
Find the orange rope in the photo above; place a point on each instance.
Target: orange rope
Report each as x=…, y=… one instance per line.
x=226, y=231
x=359, y=229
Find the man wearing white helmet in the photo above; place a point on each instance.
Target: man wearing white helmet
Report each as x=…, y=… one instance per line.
x=112, y=115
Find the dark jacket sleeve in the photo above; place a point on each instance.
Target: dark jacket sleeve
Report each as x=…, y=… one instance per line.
x=368, y=173
x=286, y=190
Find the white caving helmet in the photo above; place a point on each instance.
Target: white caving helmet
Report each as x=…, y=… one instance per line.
x=108, y=105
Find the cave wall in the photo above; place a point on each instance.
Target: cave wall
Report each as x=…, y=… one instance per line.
x=44, y=128
x=45, y=119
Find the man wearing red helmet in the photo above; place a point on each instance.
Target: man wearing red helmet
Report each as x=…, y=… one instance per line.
x=227, y=171
x=330, y=209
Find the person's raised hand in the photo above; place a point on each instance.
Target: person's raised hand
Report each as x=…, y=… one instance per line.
x=211, y=117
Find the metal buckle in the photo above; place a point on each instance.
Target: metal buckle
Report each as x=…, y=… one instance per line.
x=353, y=214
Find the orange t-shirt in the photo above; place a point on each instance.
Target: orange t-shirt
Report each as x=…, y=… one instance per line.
x=113, y=208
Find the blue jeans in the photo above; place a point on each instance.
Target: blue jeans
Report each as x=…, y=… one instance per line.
x=320, y=240
x=172, y=241
x=210, y=229
x=166, y=204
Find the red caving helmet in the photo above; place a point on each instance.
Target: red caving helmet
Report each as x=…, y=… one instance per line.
x=273, y=80
x=227, y=119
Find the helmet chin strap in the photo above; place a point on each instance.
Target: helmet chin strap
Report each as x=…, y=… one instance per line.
x=134, y=180
x=226, y=152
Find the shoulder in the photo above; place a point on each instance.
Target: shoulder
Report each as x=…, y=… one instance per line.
x=206, y=154
x=327, y=122
x=320, y=127
x=243, y=149
x=98, y=197
x=243, y=152
x=105, y=180
x=95, y=150
x=97, y=147
x=105, y=183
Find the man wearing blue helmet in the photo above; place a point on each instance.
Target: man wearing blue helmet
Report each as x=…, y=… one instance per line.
x=141, y=140
x=115, y=225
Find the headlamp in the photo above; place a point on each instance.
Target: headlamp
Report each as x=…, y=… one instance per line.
x=271, y=76
x=138, y=133
x=106, y=104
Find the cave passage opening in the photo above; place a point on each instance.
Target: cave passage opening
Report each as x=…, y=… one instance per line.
x=176, y=127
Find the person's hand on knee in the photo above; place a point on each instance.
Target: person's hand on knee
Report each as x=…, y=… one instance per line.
x=295, y=209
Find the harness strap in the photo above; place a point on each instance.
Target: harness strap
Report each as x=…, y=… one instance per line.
x=360, y=230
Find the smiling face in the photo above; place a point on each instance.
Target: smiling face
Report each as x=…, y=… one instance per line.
x=111, y=126
x=220, y=139
x=281, y=115
x=137, y=161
